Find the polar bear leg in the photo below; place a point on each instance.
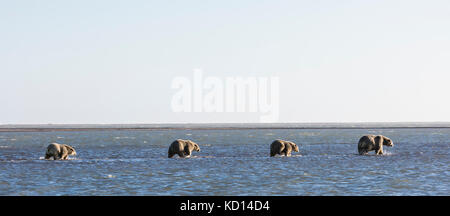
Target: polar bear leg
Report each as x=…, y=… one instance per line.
x=379, y=151
x=181, y=154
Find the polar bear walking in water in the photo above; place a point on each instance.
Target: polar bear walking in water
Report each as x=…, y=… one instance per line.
x=59, y=151
x=182, y=148
x=373, y=143
x=282, y=147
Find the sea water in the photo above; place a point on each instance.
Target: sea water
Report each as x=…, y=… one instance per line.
x=231, y=162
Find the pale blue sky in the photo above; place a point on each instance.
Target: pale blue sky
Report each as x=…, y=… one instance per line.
x=113, y=61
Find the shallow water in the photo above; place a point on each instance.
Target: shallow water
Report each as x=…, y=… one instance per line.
x=231, y=162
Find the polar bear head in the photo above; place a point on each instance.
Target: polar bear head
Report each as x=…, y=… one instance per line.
x=294, y=146
x=70, y=150
x=195, y=145
x=387, y=141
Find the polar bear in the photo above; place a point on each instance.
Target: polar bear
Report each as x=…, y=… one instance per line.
x=282, y=147
x=182, y=148
x=59, y=151
x=373, y=142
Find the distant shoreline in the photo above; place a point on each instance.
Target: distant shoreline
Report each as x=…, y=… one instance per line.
x=57, y=129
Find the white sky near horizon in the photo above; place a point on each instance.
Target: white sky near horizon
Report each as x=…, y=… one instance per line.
x=114, y=61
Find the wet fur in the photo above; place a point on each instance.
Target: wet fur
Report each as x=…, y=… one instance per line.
x=59, y=151
x=375, y=143
x=282, y=147
x=183, y=148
